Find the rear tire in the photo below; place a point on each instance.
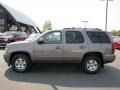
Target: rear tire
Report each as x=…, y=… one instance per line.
x=91, y=64
x=21, y=63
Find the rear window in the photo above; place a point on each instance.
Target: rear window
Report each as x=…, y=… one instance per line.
x=98, y=37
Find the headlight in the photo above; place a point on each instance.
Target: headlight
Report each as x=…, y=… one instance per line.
x=6, y=39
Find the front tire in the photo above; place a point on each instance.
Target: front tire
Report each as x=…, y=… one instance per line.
x=21, y=63
x=91, y=64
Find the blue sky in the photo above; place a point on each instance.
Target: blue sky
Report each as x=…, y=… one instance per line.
x=69, y=13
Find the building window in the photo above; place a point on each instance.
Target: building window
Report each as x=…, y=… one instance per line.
x=13, y=28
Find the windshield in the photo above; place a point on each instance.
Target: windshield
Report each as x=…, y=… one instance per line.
x=8, y=34
x=33, y=37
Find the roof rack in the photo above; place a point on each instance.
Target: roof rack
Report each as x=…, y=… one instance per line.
x=87, y=29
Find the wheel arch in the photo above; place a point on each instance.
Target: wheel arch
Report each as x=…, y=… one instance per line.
x=19, y=52
x=99, y=54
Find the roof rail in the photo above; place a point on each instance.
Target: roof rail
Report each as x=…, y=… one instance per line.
x=72, y=28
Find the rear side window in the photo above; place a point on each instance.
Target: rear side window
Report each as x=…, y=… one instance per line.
x=74, y=37
x=98, y=37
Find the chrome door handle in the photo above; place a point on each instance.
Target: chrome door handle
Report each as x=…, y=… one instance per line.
x=58, y=47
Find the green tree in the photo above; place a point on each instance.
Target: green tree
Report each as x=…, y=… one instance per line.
x=115, y=32
x=47, y=25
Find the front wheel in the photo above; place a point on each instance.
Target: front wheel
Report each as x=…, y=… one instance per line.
x=91, y=64
x=21, y=63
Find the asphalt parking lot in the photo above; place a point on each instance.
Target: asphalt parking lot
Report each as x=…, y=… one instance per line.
x=57, y=77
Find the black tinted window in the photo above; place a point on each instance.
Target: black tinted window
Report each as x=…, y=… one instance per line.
x=98, y=37
x=74, y=37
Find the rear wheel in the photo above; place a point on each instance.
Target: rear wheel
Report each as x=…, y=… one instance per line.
x=21, y=63
x=91, y=64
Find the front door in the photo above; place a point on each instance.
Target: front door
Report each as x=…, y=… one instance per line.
x=51, y=49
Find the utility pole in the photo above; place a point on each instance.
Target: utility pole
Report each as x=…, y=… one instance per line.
x=106, y=15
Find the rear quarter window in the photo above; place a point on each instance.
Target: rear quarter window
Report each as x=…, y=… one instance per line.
x=98, y=37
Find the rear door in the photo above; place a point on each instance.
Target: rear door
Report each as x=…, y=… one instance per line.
x=74, y=45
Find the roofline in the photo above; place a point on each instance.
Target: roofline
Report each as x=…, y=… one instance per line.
x=11, y=11
x=8, y=13
x=14, y=19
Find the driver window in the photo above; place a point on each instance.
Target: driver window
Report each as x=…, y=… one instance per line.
x=53, y=38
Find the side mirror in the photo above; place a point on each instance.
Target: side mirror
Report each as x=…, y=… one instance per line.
x=40, y=41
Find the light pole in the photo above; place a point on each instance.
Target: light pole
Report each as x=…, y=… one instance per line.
x=106, y=16
x=85, y=23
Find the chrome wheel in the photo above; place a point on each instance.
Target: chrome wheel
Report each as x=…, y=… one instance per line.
x=20, y=64
x=92, y=65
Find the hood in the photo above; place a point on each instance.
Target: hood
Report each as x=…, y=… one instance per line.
x=20, y=46
x=19, y=42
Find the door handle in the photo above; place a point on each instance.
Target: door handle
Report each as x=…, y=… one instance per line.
x=82, y=47
x=58, y=47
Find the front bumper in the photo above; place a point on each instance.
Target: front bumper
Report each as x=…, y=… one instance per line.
x=3, y=44
x=7, y=58
x=109, y=58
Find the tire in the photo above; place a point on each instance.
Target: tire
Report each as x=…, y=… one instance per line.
x=91, y=64
x=21, y=63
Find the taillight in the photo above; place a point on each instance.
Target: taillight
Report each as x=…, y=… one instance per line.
x=113, y=48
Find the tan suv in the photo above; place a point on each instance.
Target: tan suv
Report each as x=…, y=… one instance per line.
x=90, y=47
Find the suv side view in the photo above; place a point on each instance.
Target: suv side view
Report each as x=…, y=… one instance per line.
x=90, y=47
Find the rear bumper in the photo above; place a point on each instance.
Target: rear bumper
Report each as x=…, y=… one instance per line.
x=109, y=58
